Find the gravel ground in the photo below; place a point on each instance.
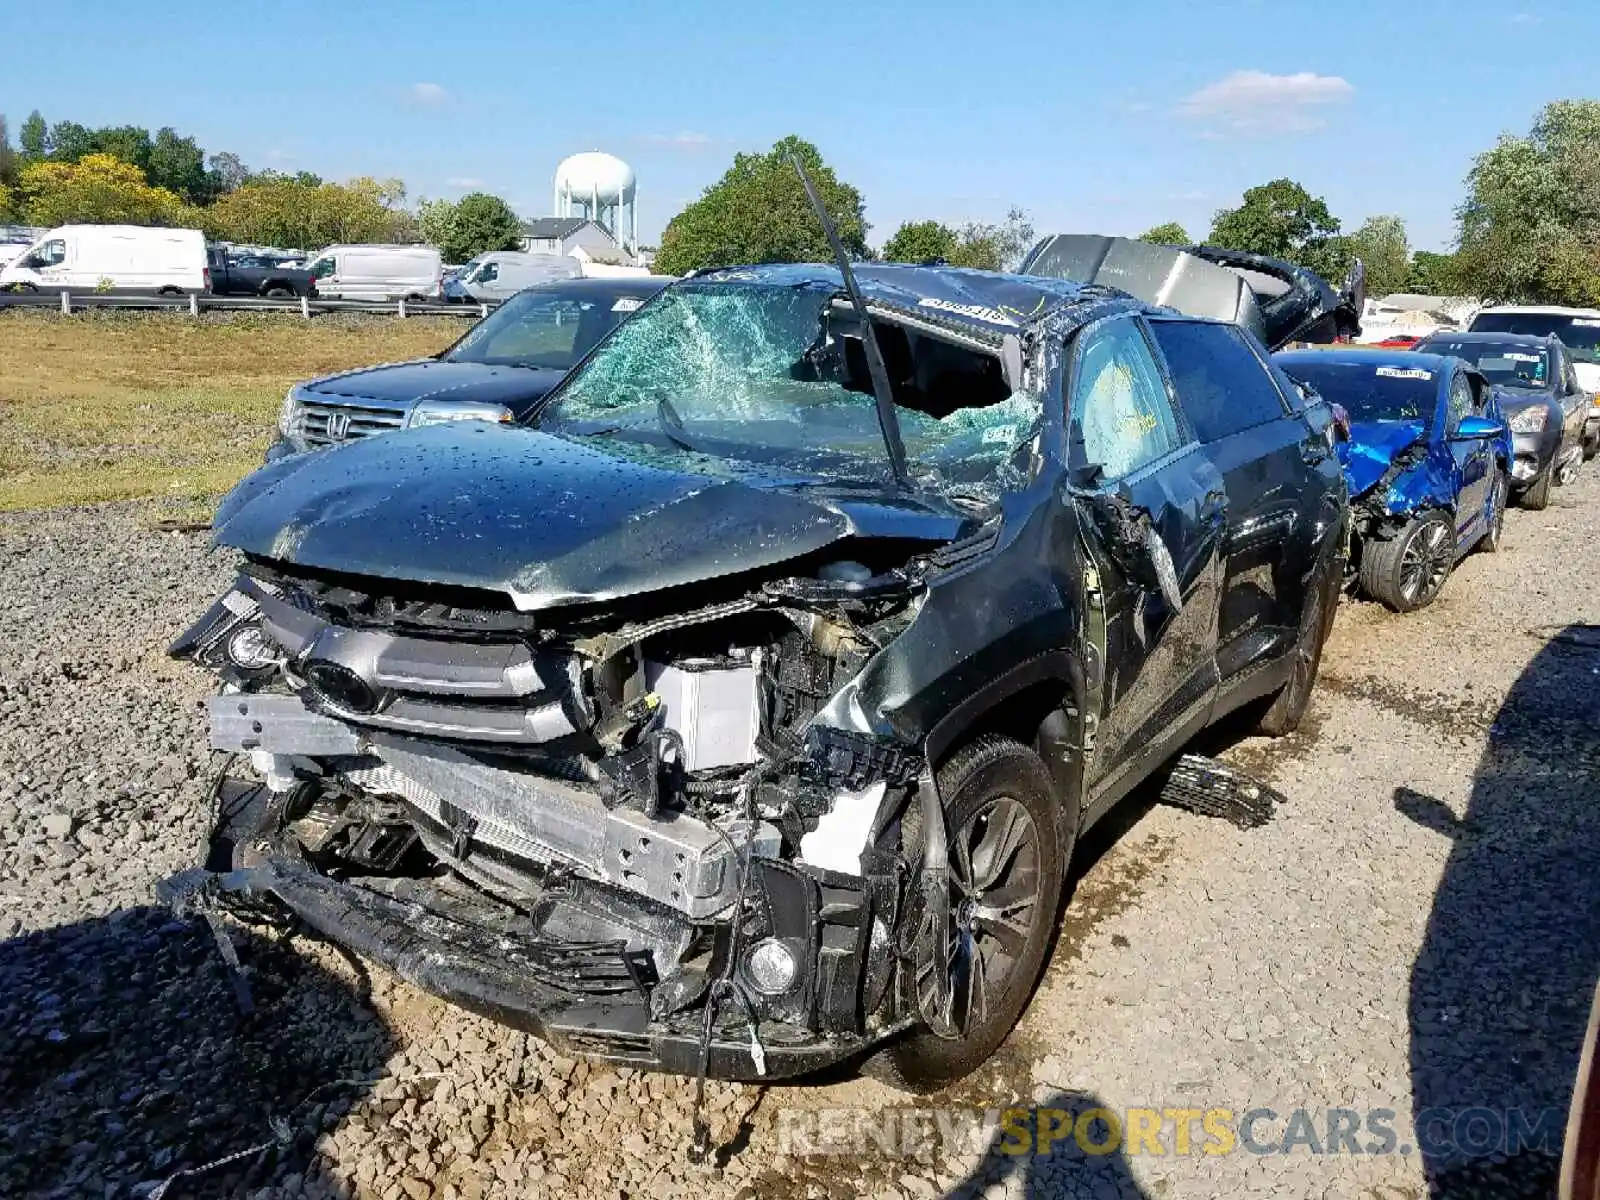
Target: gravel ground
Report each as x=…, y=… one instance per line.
x=1416, y=930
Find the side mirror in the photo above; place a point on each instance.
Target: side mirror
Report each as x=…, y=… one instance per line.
x=1478, y=429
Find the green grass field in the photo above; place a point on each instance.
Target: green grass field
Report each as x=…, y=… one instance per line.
x=125, y=406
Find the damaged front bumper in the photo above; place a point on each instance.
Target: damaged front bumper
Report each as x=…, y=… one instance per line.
x=718, y=893
x=581, y=966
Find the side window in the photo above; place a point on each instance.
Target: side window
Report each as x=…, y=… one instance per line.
x=1222, y=385
x=1119, y=409
x=51, y=254
x=322, y=268
x=1460, y=399
x=488, y=273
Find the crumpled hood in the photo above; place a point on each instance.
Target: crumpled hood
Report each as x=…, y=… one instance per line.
x=431, y=379
x=1372, y=448
x=545, y=520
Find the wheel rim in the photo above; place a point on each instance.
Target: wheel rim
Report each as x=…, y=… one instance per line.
x=1497, y=511
x=1425, y=563
x=994, y=904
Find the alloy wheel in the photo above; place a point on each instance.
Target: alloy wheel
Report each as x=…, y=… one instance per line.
x=1497, y=510
x=1425, y=563
x=994, y=902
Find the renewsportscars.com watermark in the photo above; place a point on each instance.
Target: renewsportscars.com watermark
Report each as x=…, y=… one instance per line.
x=1091, y=1131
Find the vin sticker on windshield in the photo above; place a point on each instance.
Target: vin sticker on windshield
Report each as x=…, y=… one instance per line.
x=1519, y=357
x=1586, y=322
x=626, y=304
x=1404, y=373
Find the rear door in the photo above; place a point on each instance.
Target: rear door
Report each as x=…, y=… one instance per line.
x=1153, y=509
x=1270, y=462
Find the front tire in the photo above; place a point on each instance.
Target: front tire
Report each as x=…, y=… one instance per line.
x=1537, y=497
x=1009, y=848
x=1494, y=535
x=1406, y=572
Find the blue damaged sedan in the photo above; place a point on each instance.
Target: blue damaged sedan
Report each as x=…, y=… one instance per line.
x=1426, y=461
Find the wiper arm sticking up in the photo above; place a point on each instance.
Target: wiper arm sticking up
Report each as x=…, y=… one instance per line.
x=881, y=390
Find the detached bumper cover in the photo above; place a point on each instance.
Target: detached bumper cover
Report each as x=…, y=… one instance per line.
x=586, y=997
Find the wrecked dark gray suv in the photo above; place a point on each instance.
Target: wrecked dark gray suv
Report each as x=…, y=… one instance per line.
x=738, y=714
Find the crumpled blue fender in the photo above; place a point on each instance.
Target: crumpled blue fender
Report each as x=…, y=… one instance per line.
x=1392, y=466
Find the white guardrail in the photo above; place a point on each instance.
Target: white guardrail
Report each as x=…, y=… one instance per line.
x=194, y=305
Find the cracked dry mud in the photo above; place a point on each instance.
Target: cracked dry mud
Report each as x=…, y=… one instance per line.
x=1417, y=929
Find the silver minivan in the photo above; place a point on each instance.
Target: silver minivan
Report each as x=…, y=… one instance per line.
x=501, y=274
x=378, y=273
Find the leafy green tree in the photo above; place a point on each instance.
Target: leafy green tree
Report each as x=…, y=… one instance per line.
x=98, y=188
x=279, y=210
x=1433, y=274
x=1283, y=220
x=920, y=241
x=436, y=221
x=10, y=164
x=758, y=213
x=227, y=171
x=34, y=135
x=179, y=165
x=1383, y=249
x=480, y=223
x=127, y=142
x=999, y=247
x=1169, y=234
x=1530, y=224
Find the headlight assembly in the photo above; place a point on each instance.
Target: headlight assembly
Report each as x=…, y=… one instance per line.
x=437, y=412
x=1529, y=420
x=287, y=414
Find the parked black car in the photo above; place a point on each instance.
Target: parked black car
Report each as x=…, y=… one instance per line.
x=1545, y=408
x=255, y=277
x=499, y=370
x=739, y=709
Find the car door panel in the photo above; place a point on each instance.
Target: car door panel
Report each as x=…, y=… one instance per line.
x=1473, y=460
x=1152, y=510
x=1270, y=463
x=1159, y=673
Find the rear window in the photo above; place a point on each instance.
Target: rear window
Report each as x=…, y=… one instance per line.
x=1222, y=385
x=1373, y=391
x=1579, y=334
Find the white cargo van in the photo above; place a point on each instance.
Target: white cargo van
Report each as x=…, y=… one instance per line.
x=501, y=274
x=378, y=273
x=112, y=258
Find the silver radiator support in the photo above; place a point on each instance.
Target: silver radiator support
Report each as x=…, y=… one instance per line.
x=674, y=859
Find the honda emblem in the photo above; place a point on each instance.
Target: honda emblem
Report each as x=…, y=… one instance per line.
x=338, y=426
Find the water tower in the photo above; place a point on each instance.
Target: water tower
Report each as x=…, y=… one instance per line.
x=599, y=186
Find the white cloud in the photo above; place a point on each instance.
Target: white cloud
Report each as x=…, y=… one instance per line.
x=429, y=93
x=687, y=141
x=465, y=181
x=1524, y=18
x=1258, y=102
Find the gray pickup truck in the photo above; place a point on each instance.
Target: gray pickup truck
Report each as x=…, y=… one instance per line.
x=255, y=276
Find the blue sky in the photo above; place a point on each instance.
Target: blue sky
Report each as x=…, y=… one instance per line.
x=1105, y=117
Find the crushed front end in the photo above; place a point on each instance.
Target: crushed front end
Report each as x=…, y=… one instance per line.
x=619, y=828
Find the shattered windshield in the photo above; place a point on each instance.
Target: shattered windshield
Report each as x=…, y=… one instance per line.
x=775, y=375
